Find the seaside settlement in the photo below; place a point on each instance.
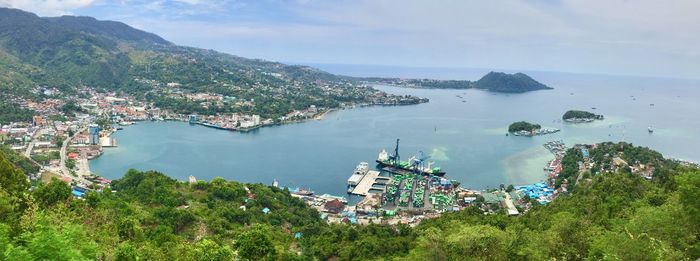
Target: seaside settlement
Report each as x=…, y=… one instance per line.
x=68, y=129
x=406, y=192
x=64, y=135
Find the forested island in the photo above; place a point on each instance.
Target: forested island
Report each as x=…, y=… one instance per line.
x=581, y=116
x=523, y=126
x=493, y=81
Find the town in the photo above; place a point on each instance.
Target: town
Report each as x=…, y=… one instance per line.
x=62, y=130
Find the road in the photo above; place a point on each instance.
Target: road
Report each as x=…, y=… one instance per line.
x=30, y=147
x=64, y=148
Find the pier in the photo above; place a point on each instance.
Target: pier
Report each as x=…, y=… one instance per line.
x=366, y=183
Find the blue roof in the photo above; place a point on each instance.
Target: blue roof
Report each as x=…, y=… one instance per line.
x=266, y=210
x=78, y=193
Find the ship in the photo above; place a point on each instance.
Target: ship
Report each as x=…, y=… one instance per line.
x=357, y=175
x=650, y=130
x=414, y=164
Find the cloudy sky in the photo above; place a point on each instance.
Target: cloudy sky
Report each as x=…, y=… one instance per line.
x=640, y=37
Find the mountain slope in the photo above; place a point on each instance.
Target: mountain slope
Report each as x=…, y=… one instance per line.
x=105, y=54
x=70, y=52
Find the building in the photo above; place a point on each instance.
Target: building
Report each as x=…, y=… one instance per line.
x=193, y=118
x=334, y=206
x=94, y=132
x=38, y=121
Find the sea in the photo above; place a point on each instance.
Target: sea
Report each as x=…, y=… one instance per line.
x=462, y=131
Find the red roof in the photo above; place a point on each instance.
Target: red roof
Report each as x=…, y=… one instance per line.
x=73, y=155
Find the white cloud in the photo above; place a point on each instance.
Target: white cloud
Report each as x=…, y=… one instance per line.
x=612, y=36
x=47, y=7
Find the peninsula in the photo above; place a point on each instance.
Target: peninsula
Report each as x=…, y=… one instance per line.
x=493, y=81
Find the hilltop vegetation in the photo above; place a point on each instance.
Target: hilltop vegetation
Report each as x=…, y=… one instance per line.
x=613, y=215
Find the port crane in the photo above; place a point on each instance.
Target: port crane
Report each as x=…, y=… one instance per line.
x=396, y=159
x=422, y=159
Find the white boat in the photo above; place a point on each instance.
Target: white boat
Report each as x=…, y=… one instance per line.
x=650, y=129
x=358, y=174
x=383, y=155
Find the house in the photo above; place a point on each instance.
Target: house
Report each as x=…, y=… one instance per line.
x=334, y=206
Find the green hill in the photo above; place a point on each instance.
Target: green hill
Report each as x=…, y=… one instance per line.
x=503, y=82
x=69, y=52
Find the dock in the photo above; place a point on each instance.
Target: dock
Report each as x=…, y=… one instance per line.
x=366, y=183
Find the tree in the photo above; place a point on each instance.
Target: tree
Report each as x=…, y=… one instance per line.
x=126, y=252
x=207, y=250
x=12, y=180
x=255, y=244
x=53, y=192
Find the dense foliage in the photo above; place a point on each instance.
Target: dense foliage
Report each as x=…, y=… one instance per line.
x=11, y=112
x=523, y=126
x=18, y=160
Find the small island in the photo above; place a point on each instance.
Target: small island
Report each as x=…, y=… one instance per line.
x=523, y=128
x=509, y=83
x=575, y=116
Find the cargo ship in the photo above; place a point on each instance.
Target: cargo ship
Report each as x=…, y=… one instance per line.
x=414, y=164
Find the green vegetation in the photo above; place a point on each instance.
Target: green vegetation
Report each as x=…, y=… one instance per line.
x=574, y=114
x=18, y=160
x=12, y=112
x=70, y=108
x=615, y=215
x=523, y=126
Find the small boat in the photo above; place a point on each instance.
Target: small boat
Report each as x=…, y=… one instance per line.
x=651, y=104
x=120, y=128
x=650, y=129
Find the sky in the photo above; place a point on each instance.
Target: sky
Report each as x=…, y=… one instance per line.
x=640, y=37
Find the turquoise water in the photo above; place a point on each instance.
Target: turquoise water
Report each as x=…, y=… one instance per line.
x=467, y=139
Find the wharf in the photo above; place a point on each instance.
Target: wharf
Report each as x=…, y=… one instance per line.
x=366, y=183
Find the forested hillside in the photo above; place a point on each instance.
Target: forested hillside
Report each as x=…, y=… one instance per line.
x=617, y=216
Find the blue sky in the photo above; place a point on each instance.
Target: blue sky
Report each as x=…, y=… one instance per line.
x=641, y=37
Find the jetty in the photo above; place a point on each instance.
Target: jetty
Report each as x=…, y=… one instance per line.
x=366, y=184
